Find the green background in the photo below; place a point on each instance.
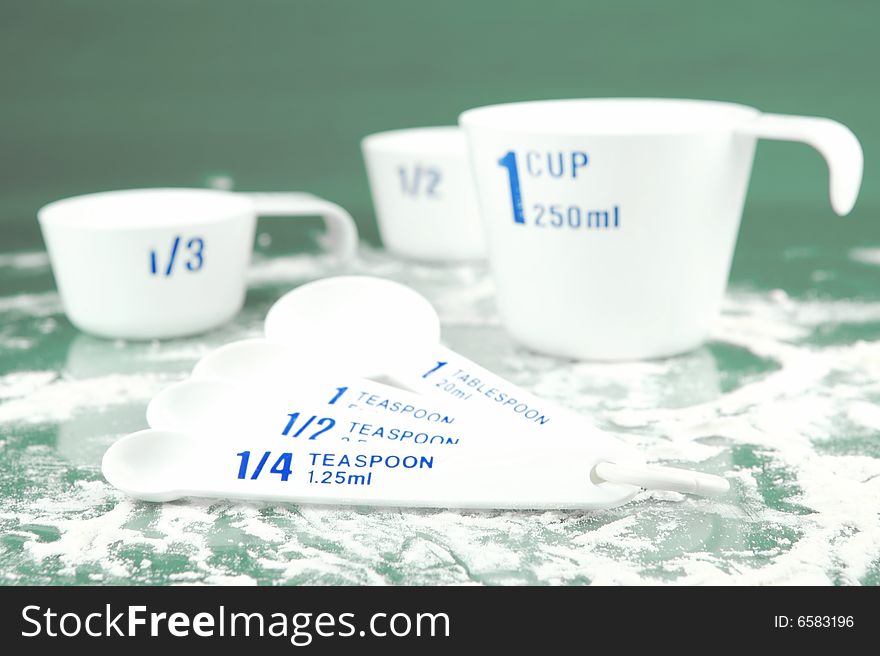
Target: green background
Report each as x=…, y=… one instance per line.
x=108, y=94
x=113, y=94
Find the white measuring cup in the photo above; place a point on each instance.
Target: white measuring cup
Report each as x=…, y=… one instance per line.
x=611, y=222
x=156, y=263
x=424, y=193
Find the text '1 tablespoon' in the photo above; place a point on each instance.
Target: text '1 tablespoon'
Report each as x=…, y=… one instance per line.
x=379, y=328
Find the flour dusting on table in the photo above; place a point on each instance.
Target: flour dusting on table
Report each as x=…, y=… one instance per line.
x=783, y=401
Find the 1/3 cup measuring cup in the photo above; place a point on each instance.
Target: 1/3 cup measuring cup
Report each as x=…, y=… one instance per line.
x=156, y=263
x=611, y=223
x=424, y=194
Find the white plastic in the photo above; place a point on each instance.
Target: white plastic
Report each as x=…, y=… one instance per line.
x=260, y=364
x=662, y=478
x=156, y=465
x=360, y=324
x=398, y=327
x=424, y=195
x=215, y=408
x=156, y=263
x=612, y=222
x=835, y=142
x=245, y=394
x=396, y=335
x=273, y=368
x=228, y=404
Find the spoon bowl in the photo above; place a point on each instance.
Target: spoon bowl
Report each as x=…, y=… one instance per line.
x=361, y=324
x=199, y=407
x=248, y=360
x=148, y=465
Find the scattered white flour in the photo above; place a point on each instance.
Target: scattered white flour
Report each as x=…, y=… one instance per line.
x=59, y=400
x=25, y=261
x=23, y=383
x=866, y=255
x=792, y=422
x=33, y=305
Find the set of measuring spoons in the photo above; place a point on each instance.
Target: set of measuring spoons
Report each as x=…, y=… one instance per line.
x=351, y=399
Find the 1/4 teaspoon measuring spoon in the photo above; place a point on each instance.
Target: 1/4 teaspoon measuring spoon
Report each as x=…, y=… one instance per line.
x=155, y=465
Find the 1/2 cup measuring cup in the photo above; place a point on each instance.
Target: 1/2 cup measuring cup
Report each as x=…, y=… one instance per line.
x=424, y=194
x=611, y=223
x=156, y=263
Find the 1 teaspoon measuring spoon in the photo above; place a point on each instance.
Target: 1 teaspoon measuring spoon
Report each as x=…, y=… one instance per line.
x=218, y=408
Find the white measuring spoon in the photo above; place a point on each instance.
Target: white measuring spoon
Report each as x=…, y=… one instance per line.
x=377, y=327
x=263, y=362
x=360, y=324
x=158, y=465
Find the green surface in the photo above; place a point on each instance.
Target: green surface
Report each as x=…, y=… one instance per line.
x=104, y=95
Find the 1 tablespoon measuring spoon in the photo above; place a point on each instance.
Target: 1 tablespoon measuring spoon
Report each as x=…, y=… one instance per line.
x=158, y=465
x=377, y=327
x=266, y=362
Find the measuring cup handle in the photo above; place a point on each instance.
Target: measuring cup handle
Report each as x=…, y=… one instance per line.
x=834, y=141
x=341, y=238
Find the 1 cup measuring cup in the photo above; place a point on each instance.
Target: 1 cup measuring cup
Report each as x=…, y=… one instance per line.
x=612, y=222
x=158, y=263
x=424, y=194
